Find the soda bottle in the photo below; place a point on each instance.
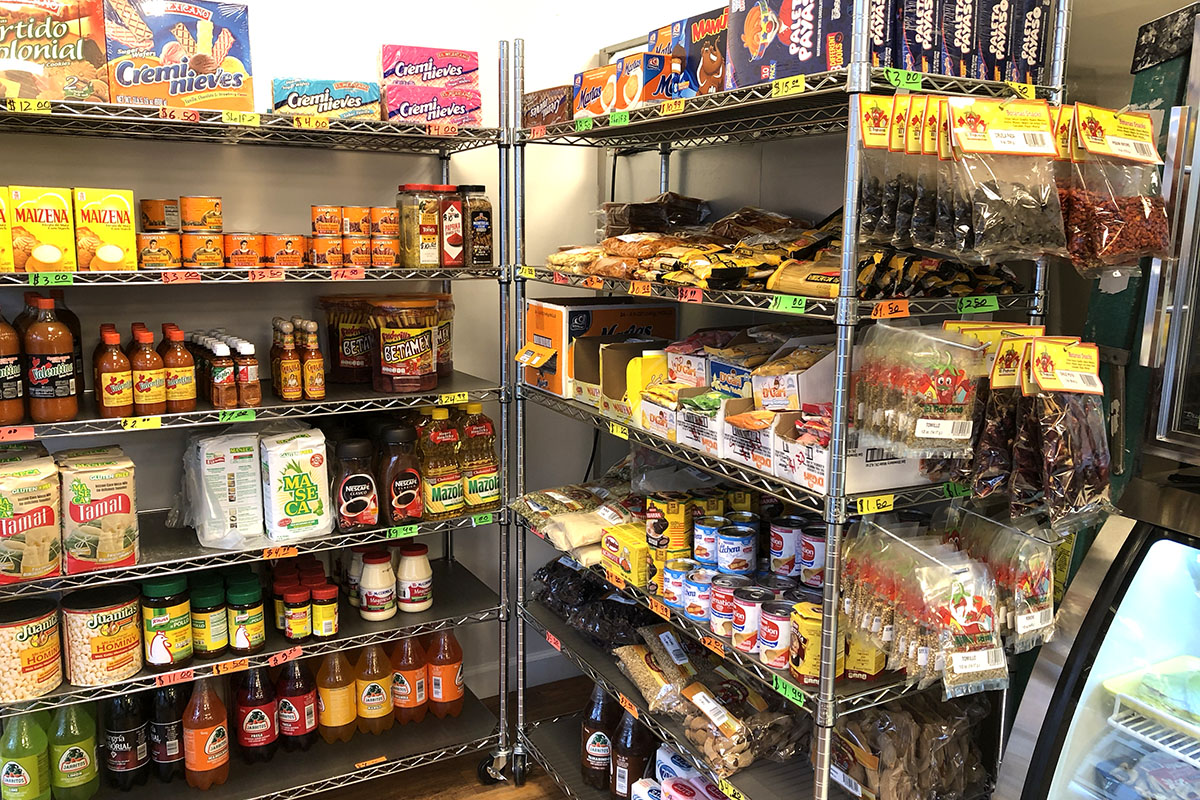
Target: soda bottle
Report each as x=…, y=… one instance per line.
x=257, y=716
x=26, y=767
x=596, y=735
x=73, y=771
x=167, y=705
x=336, y=703
x=373, y=682
x=477, y=457
x=445, y=675
x=42, y=718
x=126, y=741
x=409, y=674
x=297, y=697
x=633, y=750
x=205, y=738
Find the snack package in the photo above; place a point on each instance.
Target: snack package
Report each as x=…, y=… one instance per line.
x=963, y=599
x=659, y=683
x=53, y=50
x=894, y=173
x=910, y=167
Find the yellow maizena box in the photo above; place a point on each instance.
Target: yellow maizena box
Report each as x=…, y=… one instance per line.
x=6, y=253
x=43, y=229
x=104, y=234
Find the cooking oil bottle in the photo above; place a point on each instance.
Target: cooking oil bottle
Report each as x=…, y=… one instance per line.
x=443, y=484
x=477, y=459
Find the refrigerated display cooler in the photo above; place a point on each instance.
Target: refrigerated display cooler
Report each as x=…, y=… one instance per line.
x=1112, y=710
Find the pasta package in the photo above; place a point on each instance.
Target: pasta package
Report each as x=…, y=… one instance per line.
x=99, y=510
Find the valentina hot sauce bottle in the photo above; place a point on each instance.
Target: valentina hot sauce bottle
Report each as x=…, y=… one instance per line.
x=50, y=367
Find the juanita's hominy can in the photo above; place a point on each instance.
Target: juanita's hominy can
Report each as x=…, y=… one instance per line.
x=720, y=609
x=697, y=594
x=200, y=214
x=325, y=251
x=327, y=220
x=160, y=214
x=285, y=249
x=158, y=251
x=385, y=251
x=102, y=635
x=385, y=221
x=785, y=545
x=244, y=250
x=747, y=608
x=812, y=555
x=736, y=549
x=356, y=251
x=202, y=250
x=30, y=653
x=356, y=221
x=704, y=538
x=774, y=634
x=674, y=573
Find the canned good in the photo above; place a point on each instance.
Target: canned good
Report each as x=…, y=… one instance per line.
x=158, y=251
x=327, y=220
x=202, y=250
x=697, y=594
x=245, y=250
x=803, y=594
x=777, y=585
x=812, y=555
x=744, y=518
x=674, y=574
x=747, y=608
x=385, y=221
x=736, y=548
x=668, y=520
x=704, y=538
x=200, y=214
x=325, y=251
x=385, y=251
x=720, y=615
x=356, y=221
x=804, y=649
x=764, y=568
x=774, y=634
x=785, y=545
x=102, y=635
x=159, y=214
x=356, y=251
x=30, y=655
x=285, y=249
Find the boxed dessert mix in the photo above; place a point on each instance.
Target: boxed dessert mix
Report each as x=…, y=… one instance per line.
x=332, y=99
x=104, y=230
x=422, y=105
x=53, y=50
x=43, y=229
x=445, y=68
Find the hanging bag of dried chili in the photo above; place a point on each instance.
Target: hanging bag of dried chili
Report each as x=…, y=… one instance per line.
x=875, y=116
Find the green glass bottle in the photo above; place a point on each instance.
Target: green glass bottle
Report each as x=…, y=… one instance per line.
x=24, y=764
x=42, y=718
x=73, y=771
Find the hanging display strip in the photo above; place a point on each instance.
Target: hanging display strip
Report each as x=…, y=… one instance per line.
x=151, y=277
x=470, y=602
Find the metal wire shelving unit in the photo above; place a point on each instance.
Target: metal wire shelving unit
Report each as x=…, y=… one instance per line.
x=466, y=600
x=827, y=104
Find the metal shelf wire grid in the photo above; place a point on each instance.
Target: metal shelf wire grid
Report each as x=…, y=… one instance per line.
x=151, y=277
x=1131, y=721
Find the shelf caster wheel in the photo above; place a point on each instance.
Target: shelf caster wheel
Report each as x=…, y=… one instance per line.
x=518, y=769
x=484, y=773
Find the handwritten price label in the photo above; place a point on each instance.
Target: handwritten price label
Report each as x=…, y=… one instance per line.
x=690, y=294
x=1025, y=91
x=272, y=553
x=553, y=641
x=347, y=273
x=729, y=790
x=593, y=282
x=290, y=654
x=670, y=107
x=141, y=423
x=237, y=415
x=528, y=273
x=561, y=280
x=18, y=433
x=628, y=705
x=481, y=519
x=265, y=275
x=180, y=276
x=172, y=678
x=584, y=125
x=402, y=532
x=51, y=278
x=21, y=105
x=229, y=667
x=789, y=304
x=952, y=490
x=877, y=504
x=660, y=608
x=308, y=123
x=247, y=118
x=442, y=129
x=618, y=430
x=537, y=132
x=978, y=305
x=716, y=645
x=788, y=690
x=451, y=398
x=640, y=288
x=903, y=79
x=370, y=762
x=179, y=114
x=618, y=581
x=785, y=87
x=618, y=118
x=889, y=309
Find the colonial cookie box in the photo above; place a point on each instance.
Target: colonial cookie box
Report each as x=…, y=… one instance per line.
x=53, y=50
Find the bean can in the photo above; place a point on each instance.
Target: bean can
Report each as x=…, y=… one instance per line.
x=30, y=654
x=674, y=574
x=785, y=546
x=737, y=546
x=812, y=555
x=697, y=594
x=775, y=634
x=720, y=616
x=747, y=609
x=102, y=635
x=704, y=538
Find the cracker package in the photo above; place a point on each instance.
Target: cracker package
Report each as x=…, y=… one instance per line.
x=104, y=234
x=99, y=510
x=53, y=50
x=332, y=99
x=189, y=54
x=43, y=229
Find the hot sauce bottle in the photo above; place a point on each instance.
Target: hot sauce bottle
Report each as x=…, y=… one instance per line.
x=223, y=386
x=50, y=371
x=149, y=376
x=312, y=363
x=181, y=373
x=114, y=377
x=12, y=390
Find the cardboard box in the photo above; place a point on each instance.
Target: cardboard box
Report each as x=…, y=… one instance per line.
x=689, y=369
x=698, y=431
x=332, y=99
x=788, y=392
x=728, y=377
x=190, y=55
x=421, y=105
x=869, y=469
x=625, y=552
x=444, y=68
x=43, y=229
x=755, y=449
x=658, y=420
x=555, y=324
x=594, y=92
x=642, y=80
x=546, y=106
x=104, y=230
x=624, y=372
x=699, y=44
x=956, y=44
x=585, y=378
x=918, y=36
x=1027, y=42
x=993, y=27
x=53, y=50
x=864, y=662
x=6, y=251
x=772, y=39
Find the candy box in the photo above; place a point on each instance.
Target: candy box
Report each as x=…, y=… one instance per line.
x=104, y=233
x=956, y=39
x=402, y=64
x=332, y=99
x=772, y=39
x=43, y=229
x=594, y=92
x=1027, y=42
x=190, y=54
x=642, y=79
x=53, y=50
x=425, y=104
x=546, y=106
x=993, y=30
x=918, y=35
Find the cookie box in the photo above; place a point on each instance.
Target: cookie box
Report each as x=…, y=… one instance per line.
x=698, y=45
x=642, y=79
x=422, y=105
x=53, y=50
x=594, y=92
x=546, y=106
x=445, y=68
x=332, y=99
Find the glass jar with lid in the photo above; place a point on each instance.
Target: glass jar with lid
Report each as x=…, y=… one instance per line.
x=377, y=588
x=420, y=226
x=477, y=216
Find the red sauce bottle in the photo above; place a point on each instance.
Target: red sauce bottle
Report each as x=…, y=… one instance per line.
x=50, y=367
x=149, y=376
x=114, y=378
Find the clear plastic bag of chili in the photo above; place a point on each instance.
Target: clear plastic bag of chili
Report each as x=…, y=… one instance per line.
x=991, y=470
x=875, y=112
x=897, y=176
x=964, y=598
x=1026, y=487
x=909, y=173
x=1076, y=464
x=921, y=146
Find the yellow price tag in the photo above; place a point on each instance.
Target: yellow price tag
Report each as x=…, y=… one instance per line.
x=1025, y=91
x=310, y=123
x=22, y=105
x=141, y=423
x=729, y=790
x=452, y=398
x=670, y=107
x=246, y=118
x=785, y=87
x=618, y=430
x=877, y=504
x=528, y=273
x=640, y=288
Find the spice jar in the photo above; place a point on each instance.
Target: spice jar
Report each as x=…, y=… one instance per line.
x=278, y=587
x=354, y=487
x=247, y=620
x=167, y=623
x=377, y=588
x=403, y=357
x=414, y=578
x=420, y=228
x=452, y=246
x=324, y=611
x=477, y=214
x=297, y=625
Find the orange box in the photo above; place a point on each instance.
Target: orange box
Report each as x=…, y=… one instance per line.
x=555, y=324
x=642, y=79
x=285, y=250
x=43, y=229
x=159, y=250
x=244, y=250
x=595, y=91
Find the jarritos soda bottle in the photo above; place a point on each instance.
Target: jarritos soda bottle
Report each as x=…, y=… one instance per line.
x=373, y=679
x=205, y=738
x=336, y=714
x=445, y=675
x=296, y=692
x=443, y=484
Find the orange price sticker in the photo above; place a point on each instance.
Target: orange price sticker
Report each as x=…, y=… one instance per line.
x=266, y=275
x=560, y=278
x=640, y=288
x=370, y=763
x=17, y=433
x=716, y=645
x=181, y=276
x=272, y=553
x=691, y=294
x=660, y=608
x=889, y=309
x=553, y=641
x=348, y=273
x=172, y=678
x=228, y=667
x=618, y=581
x=537, y=132
x=442, y=129
x=593, y=282
x=628, y=705
x=179, y=114
x=290, y=654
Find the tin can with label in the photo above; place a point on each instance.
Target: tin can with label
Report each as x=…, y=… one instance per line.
x=159, y=251
x=777, y=585
x=747, y=608
x=803, y=594
x=697, y=594
x=356, y=221
x=356, y=251
x=325, y=251
x=704, y=538
x=200, y=214
x=385, y=251
x=244, y=250
x=804, y=651
x=775, y=634
x=159, y=214
x=748, y=518
x=674, y=573
x=285, y=249
x=202, y=250
x=720, y=616
x=785, y=545
x=812, y=555
x=737, y=547
x=327, y=221
x=385, y=221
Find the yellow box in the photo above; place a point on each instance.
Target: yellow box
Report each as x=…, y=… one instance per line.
x=6, y=253
x=104, y=235
x=43, y=229
x=626, y=553
x=864, y=662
